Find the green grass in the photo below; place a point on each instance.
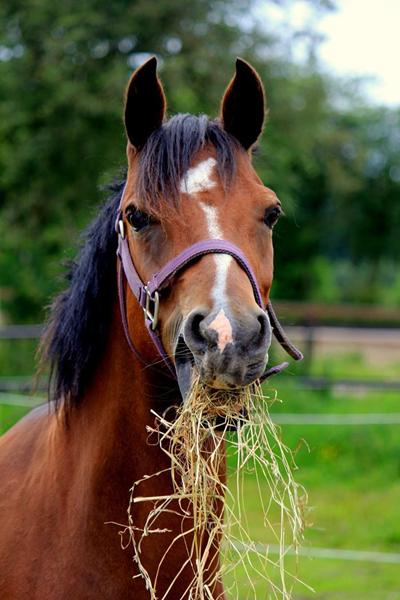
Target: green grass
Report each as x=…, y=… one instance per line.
x=352, y=475
x=10, y=415
x=330, y=580
x=349, y=508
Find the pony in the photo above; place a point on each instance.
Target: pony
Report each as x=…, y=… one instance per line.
x=66, y=468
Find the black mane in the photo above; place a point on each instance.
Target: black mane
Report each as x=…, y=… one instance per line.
x=76, y=334
x=80, y=316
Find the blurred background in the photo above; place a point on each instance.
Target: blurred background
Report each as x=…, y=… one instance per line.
x=330, y=150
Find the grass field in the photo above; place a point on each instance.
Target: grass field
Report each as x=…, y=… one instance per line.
x=352, y=475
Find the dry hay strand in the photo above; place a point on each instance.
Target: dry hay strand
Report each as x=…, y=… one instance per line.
x=194, y=439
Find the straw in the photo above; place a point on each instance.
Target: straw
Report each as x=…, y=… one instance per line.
x=194, y=436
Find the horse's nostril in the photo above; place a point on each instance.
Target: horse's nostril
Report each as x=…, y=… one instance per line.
x=192, y=331
x=196, y=320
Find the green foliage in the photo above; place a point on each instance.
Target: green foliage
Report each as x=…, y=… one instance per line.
x=63, y=69
x=63, y=66
x=17, y=357
x=339, y=242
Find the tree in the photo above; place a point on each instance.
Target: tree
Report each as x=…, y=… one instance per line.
x=63, y=67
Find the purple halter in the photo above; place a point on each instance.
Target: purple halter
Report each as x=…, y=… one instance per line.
x=148, y=295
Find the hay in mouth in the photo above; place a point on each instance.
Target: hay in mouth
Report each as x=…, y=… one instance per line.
x=194, y=439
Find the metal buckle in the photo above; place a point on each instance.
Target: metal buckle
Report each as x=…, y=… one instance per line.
x=151, y=307
x=121, y=228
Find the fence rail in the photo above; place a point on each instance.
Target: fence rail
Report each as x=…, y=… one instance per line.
x=293, y=313
x=318, y=552
x=21, y=332
x=376, y=345
x=29, y=384
x=312, y=313
x=348, y=419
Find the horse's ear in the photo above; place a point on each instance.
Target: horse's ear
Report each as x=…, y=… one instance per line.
x=145, y=104
x=243, y=105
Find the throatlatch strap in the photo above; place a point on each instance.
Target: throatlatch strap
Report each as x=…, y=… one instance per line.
x=122, y=310
x=281, y=336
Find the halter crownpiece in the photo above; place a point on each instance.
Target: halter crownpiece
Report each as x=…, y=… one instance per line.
x=148, y=295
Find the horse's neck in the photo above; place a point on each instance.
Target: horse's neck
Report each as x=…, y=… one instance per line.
x=108, y=450
x=107, y=431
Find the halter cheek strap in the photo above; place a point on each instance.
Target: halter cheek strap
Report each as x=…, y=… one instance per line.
x=148, y=295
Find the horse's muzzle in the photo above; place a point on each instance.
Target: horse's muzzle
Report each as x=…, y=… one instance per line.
x=226, y=351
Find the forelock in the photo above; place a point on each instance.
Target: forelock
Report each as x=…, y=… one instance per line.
x=169, y=152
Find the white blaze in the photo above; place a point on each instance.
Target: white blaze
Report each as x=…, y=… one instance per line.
x=198, y=178
x=222, y=261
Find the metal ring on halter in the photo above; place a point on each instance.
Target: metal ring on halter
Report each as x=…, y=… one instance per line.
x=151, y=307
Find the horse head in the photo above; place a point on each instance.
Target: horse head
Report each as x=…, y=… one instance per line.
x=191, y=179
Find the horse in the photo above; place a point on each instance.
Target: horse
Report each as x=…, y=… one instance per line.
x=193, y=220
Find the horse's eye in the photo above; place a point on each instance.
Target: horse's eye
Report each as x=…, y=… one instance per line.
x=272, y=215
x=138, y=219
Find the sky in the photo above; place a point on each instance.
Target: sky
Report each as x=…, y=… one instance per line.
x=361, y=38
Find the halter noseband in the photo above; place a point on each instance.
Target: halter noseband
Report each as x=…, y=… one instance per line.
x=148, y=295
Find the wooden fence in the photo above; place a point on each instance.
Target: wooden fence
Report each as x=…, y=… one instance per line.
x=318, y=329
